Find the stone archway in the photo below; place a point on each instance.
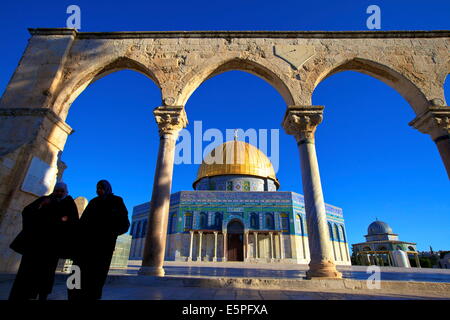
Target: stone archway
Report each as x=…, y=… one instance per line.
x=59, y=63
x=235, y=239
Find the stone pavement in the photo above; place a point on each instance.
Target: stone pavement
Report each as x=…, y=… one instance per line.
x=262, y=281
x=123, y=292
x=133, y=287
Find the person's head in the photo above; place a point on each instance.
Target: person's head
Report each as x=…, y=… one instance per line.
x=103, y=188
x=60, y=191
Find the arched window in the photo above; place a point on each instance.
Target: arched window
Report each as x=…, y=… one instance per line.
x=173, y=223
x=218, y=220
x=344, y=238
x=254, y=220
x=366, y=249
x=336, y=233
x=330, y=230
x=298, y=223
x=138, y=229
x=133, y=227
x=284, y=222
x=144, y=229
x=203, y=220
x=269, y=221
x=302, y=225
x=410, y=248
x=188, y=220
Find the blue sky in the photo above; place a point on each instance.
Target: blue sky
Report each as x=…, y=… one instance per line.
x=372, y=163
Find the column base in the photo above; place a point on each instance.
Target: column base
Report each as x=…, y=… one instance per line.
x=214, y=259
x=324, y=269
x=151, y=271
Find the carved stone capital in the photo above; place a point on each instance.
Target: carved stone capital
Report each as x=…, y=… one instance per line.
x=170, y=119
x=435, y=122
x=302, y=121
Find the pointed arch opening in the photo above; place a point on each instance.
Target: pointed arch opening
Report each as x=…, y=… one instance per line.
x=198, y=77
x=71, y=89
x=404, y=86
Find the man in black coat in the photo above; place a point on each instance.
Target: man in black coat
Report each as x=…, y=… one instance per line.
x=103, y=220
x=47, y=235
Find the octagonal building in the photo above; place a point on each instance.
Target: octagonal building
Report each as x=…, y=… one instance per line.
x=236, y=213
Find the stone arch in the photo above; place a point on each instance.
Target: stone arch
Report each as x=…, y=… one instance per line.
x=387, y=74
x=235, y=225
x=261, y=69
x=70, y=89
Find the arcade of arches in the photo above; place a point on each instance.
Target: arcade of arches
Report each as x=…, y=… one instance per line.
x=58, y=64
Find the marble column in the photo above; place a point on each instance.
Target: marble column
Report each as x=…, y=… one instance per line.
x=225, y=247
x=255, y=234
x=170, y=120
x=191, y=245
x=281, y=245
x=246, y=246
x=272, y=256
x=215, y=246
x=301, y=122
x=199, y=257
x=436, y=122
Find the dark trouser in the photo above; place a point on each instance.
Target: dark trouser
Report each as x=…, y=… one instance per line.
x=35, y=277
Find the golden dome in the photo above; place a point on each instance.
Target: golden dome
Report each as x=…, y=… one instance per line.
x=243, y=159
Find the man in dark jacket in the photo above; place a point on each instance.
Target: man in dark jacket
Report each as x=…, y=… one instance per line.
x=47, y=235
x=103, y=220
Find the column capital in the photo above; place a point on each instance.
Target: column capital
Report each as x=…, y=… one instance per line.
x=302, y=121
x=435, y=122
x=170, y=119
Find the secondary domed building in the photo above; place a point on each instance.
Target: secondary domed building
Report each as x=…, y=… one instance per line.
x=383, y=248
x=236, y=213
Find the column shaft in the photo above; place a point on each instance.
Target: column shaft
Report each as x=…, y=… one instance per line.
x=225, y=247
x=301, y=121
x=215, y=247
x=271, y=246
x=256, y=245
x=199, y=258
x=281, y=246
x=246, y=246
x=191, y=245
x=170, y=121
